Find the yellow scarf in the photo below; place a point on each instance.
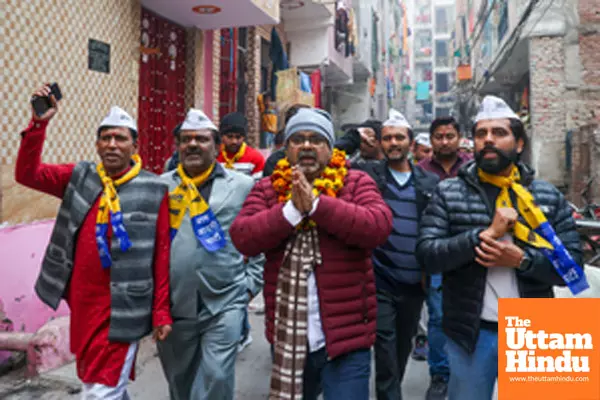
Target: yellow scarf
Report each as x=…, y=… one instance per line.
x=230, y=161
x=525, y=206
x=186, y=196
x=109, y=210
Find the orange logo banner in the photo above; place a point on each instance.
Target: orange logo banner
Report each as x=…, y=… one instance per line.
x=549, y=349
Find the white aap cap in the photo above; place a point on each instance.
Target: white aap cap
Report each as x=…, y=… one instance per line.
x=493, y=107
x=396, y=119
x=196, y=120
x=423, y=139
x=118, y=117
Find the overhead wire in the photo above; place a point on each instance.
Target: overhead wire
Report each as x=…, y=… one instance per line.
x=469, y=91
x=483, y=19
x=513, y=40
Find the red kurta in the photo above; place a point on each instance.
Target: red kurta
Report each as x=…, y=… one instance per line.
x=88, y=294
x=251, y=156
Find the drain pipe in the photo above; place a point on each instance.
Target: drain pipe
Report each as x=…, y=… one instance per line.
x=568, y=159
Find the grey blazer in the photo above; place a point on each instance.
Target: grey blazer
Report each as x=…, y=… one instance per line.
x=220, y=280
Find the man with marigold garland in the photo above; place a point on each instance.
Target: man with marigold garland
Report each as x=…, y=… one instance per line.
x=317, y=223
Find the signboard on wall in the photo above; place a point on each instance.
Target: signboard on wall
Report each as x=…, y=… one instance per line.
x=98, y=56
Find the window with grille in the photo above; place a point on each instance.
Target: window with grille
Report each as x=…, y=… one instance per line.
x=442, y=58
x=442, y=112
x=442, y=83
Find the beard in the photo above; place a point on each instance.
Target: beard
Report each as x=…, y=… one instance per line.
x=233, y=148
x=446, y=155
x=497, y=165
x=399, y=155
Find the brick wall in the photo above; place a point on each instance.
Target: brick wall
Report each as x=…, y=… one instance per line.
x=589, y=47
x=589, y=53
x=547, y=85
x=588, y=11
x=584, y=110
x=580, y=161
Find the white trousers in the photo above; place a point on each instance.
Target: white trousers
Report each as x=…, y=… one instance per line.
x=96, y=391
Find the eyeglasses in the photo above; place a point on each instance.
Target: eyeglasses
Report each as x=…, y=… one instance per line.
x=299, y=140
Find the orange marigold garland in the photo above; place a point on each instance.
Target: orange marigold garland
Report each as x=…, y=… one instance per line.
x=329, y=184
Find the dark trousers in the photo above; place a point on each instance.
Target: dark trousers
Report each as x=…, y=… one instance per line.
x=345, y=377
x=397, y=321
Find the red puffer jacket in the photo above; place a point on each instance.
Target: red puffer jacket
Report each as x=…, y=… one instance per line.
x=350, y=227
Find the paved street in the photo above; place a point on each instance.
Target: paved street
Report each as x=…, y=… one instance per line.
x=252, y=373
x=252, y=376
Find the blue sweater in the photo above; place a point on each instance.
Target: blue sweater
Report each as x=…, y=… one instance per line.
x=395, y=262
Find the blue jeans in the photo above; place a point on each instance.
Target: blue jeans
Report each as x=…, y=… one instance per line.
x=437, y=358
x=345, y=377
x=473, y=375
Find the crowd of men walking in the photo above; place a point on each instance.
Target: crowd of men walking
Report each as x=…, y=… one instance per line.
x=347, y=238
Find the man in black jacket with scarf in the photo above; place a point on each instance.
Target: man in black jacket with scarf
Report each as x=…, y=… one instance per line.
x=478, y=230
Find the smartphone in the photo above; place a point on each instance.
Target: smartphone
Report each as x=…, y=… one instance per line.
x=42, y=104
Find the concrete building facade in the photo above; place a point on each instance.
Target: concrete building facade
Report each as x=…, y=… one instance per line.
x=379, y=76
x=432, y=62
x=540, y=56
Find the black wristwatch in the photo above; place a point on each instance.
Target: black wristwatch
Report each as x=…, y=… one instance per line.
x=525, y=262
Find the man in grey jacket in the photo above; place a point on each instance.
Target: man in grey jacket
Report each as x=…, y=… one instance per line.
x=210, y=282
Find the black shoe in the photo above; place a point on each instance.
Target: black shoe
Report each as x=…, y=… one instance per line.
x=421, y=349
x=437, y=389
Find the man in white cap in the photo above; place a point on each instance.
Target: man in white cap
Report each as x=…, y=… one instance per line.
x=406, y=188
x=466, y=145
x=317, y=223
x=211, y=283
x=422, y=147
x=108, y=253
x=472, y=233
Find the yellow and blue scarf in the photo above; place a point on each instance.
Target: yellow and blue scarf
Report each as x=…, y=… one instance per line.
x=185, y=197
x=537, y=232
x=109, y=211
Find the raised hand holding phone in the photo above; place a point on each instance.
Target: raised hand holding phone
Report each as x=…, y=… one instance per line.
x=41, y=96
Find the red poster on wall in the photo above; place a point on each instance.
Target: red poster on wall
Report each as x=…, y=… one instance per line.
x=162, y=88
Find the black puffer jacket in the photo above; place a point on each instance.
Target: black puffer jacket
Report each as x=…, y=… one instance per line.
x=458, y=211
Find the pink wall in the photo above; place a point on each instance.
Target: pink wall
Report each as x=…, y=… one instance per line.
x=21, y=251
x=208, y=73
